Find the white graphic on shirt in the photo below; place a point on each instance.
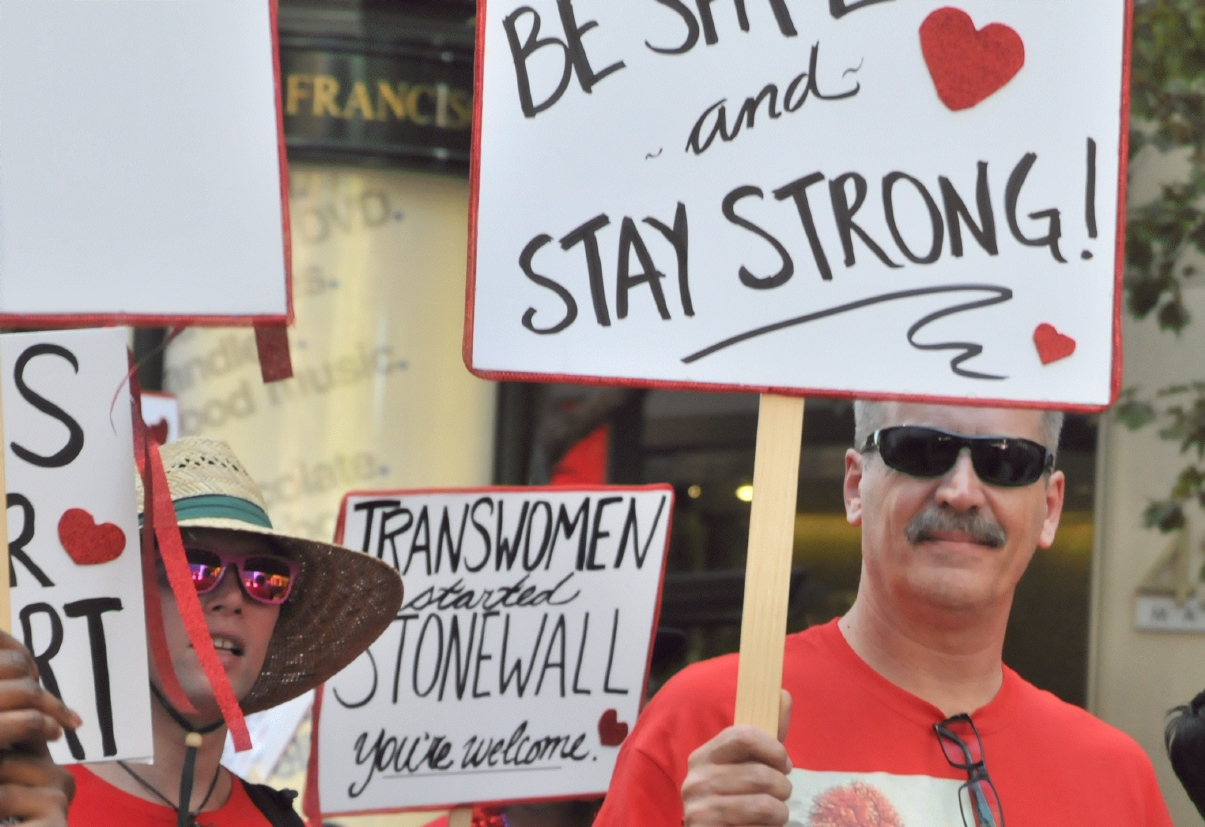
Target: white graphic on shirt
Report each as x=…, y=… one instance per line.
x=877, y=799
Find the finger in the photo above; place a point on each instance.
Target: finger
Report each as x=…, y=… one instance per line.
x=736, y=811
x=35, y=771
x=15, y=663
x=64, y=715
x=27, y=693
x=784, y=716
x=27, y=728
x=736, y=780
x=34, y=806
x=742, y=743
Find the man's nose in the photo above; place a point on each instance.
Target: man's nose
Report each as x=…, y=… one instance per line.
x=961, y=488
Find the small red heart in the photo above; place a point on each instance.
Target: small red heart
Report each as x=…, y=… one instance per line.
x=611, y=731
x=158, y=432
x=1051, y=344
x=87, y=543
x=968, y=66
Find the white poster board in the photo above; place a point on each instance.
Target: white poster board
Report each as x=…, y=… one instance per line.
x=161, y=413
x=141, y=162
x=890, y=198
x=518, y=660
x=77, y=602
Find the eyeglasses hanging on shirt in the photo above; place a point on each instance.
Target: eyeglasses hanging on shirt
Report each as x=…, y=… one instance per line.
x=961, y=745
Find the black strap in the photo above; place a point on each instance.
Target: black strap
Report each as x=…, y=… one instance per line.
x=180, y=720
x=276, y=805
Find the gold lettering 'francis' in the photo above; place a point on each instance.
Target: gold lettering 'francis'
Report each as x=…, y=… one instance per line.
x=438, y=105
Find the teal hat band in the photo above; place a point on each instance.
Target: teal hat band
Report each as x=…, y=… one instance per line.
x=221, y=506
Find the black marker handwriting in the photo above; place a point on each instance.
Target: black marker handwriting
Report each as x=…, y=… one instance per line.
x=968, y=350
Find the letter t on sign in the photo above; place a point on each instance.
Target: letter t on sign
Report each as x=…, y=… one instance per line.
x=768, y=569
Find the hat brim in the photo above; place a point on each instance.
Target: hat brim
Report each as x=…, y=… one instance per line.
x=343, y=601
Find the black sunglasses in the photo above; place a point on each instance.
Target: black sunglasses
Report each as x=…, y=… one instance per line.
x=929, y=453
x=963, y=749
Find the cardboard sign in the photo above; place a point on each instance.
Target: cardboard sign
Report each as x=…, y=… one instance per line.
x=872, y=198
x=77, y=599
x=141, y=162
x=518, y=660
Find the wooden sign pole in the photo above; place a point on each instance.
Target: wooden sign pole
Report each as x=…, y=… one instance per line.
x=768, y=568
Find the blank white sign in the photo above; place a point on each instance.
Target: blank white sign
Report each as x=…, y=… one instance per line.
x=140, y=160
x=882, y=197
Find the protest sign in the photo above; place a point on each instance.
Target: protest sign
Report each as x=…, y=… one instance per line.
x=161, y=414
x=517, y=663
x=76, y=572
x=143, y=163
x=872, y=198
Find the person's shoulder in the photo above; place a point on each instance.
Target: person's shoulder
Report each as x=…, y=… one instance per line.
x=1078, y=728
x=275, y=805
x=698, y=692
x=706, y=689
x=715, y=678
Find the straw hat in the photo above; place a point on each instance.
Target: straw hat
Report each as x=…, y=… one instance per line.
x=342, y=601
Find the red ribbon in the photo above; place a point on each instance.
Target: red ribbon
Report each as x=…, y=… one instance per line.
x=156, y=637
x=171, y=552
x=272, y=345
x=159, y=522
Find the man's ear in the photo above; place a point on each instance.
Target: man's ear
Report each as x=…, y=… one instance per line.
x=853, y=486
x=1055, y=489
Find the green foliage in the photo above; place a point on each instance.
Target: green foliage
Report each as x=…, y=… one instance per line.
x=1168, y=110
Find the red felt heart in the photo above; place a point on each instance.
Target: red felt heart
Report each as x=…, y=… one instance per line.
x=611, y=731
x=158, y=432
x=87, y=543
x=968, y=65
x=1051, y=344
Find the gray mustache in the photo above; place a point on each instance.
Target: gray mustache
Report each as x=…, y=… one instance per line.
x=941, y=519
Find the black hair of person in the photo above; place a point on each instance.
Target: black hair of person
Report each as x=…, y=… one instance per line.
x=1184, y=738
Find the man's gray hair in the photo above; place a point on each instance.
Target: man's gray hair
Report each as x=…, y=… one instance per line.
x=870, y=416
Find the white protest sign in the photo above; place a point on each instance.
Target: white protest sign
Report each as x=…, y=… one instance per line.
x=161, y=413
x=518, y=660
x=77, y=599
x=141, y=161
x=881, y=197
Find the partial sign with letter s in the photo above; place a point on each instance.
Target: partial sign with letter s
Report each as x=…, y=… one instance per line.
x=74, y=553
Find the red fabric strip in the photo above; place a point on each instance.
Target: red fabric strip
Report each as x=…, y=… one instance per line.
x=171, y=551
x=156, y=638
x=310, y=803
x=272, y=343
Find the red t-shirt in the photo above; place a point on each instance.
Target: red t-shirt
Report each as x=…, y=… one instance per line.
x=856, y=737
x=98, y=803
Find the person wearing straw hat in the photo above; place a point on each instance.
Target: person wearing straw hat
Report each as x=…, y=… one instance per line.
x=284, y=614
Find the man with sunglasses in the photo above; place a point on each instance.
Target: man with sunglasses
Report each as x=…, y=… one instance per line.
x=284, y=614
x=902, y=712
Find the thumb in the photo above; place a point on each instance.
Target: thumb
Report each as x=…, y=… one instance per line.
x=784, y=715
